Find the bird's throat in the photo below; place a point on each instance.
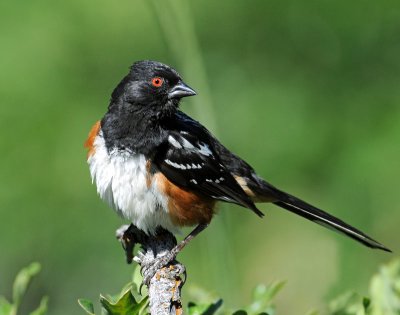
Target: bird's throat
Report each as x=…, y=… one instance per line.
x=135, y=130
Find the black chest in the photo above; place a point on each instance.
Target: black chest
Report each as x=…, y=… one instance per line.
x=135, y=132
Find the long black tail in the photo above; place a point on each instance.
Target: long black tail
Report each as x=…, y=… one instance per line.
x=316, y=215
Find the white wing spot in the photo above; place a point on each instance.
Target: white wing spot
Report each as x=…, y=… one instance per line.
x=176, y=165
x=187, y=144
x=193, y=181
x=204, y=149
x=174, y=142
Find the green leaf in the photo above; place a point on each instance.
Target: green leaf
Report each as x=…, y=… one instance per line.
x=262, y=298
x=213, y=308
x=200, y=295
x=42, y=309
x=143, y=305
x=366, y=303
x=126, y=287
x=87, y=306
x=349, y=303
x=205, y=308
x=126, y=305
x=137, y=279
x=22, y=281
x=240, y=312
x=5, y=307
x=385, y=290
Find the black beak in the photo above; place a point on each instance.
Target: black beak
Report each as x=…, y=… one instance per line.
x=181, y=90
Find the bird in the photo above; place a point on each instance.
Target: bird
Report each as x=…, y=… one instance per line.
x=158, y=167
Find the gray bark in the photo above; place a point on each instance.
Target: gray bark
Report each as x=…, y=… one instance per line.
x=165, y=285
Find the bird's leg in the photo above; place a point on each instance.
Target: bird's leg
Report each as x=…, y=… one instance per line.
x=164, y=260
x=129, y=236
x=175, y=251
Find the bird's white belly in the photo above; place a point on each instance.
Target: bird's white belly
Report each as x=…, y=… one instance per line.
x=121, y=180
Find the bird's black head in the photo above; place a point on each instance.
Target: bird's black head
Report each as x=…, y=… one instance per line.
x=151, y=86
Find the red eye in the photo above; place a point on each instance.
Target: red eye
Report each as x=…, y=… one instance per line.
x=157, y=81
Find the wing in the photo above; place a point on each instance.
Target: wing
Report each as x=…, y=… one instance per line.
x=242, y=172
x=261, y=191
x=188, y=160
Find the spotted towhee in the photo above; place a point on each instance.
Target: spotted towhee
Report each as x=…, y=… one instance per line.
x=156, y=166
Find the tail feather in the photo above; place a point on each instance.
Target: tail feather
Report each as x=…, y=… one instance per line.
x=316, y=215
x=295, y=205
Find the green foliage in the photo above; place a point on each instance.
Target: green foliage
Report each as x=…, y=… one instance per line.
x=87, y=305
x=262, y=298
x=21, y=284
x=384, y=291
x=350, y=303
x=22, y=281
x=204, y=308
x=384, y=299
x=128, y=302
x=125, y=304
x=42, y=309
x=262, y=303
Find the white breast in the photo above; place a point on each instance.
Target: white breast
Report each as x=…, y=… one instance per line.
x=121, y=180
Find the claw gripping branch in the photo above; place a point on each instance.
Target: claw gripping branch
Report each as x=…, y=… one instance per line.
x=163, y=281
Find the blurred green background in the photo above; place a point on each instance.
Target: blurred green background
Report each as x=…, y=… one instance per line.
x=314, y=85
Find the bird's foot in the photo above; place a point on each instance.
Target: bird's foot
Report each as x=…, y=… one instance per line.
x=165, y=261
x=129, y=236
x=158, y=252
x=149, y=270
